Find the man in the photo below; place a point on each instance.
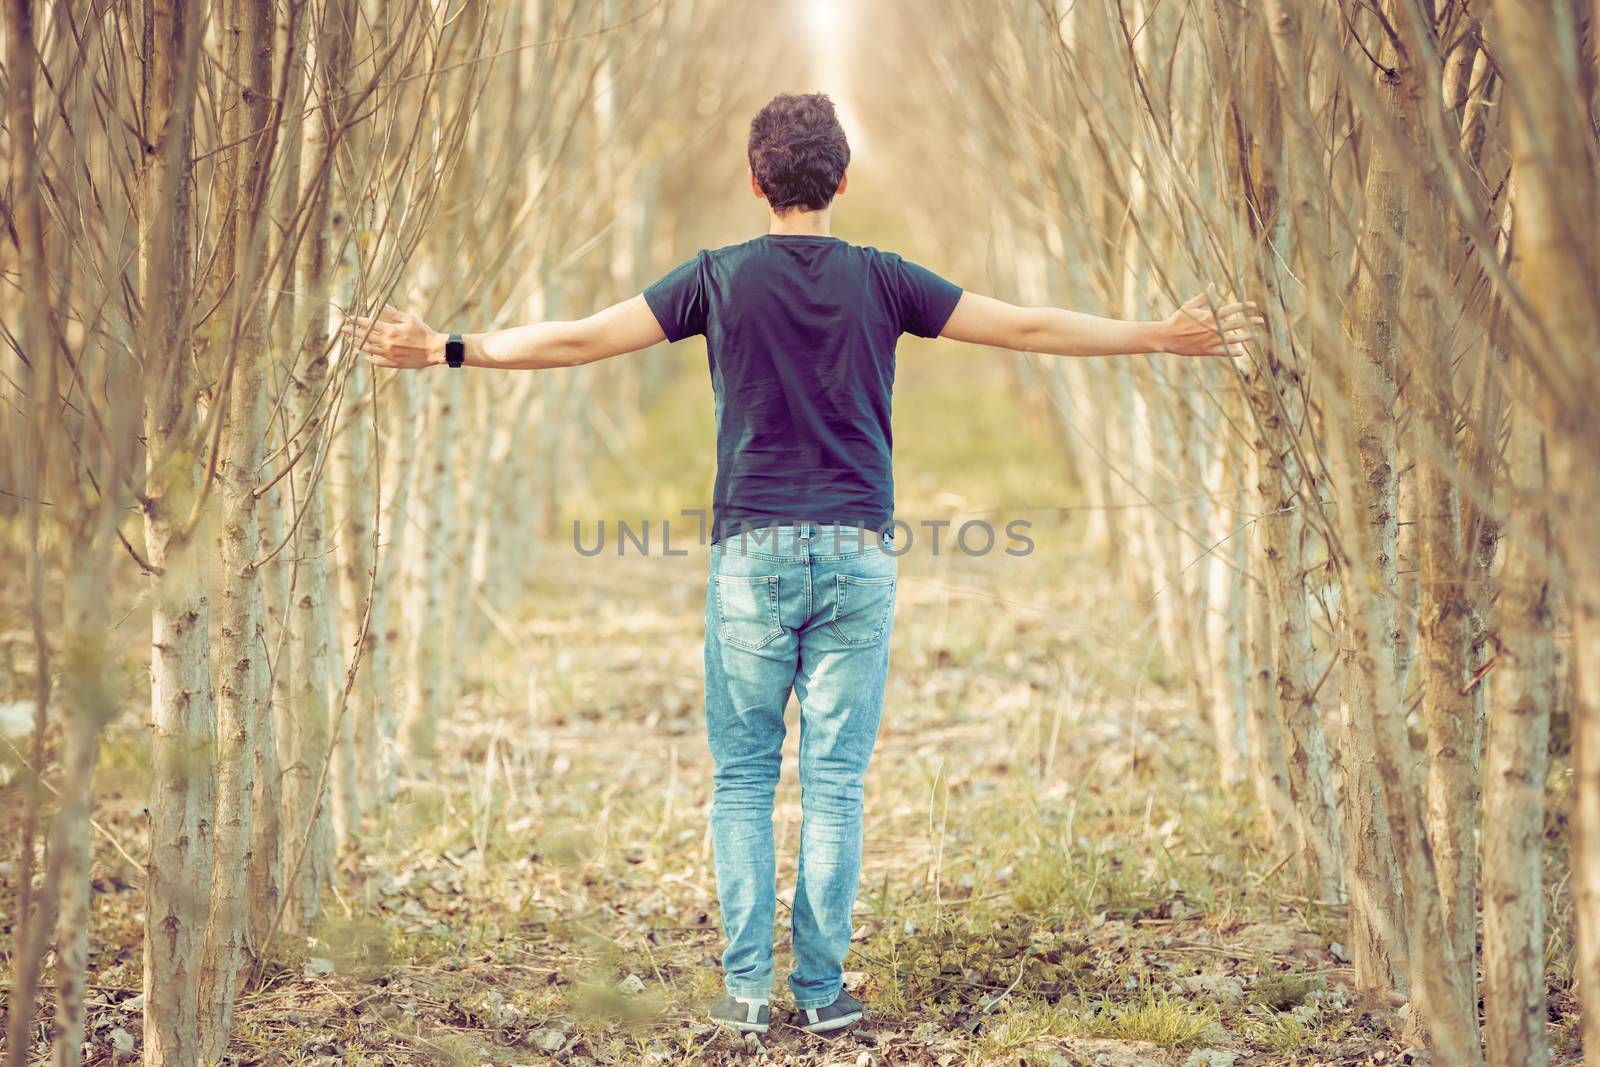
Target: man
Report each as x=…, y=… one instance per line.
x=800, y=327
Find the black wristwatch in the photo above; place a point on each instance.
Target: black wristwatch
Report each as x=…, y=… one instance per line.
x=455, y=351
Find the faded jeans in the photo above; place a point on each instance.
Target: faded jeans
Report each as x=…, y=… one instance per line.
x=806, y=608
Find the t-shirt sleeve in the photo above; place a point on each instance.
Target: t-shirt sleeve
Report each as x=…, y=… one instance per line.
x=926, y=300
x=678, y=299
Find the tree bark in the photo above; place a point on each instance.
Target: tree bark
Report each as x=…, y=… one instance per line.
x=275, y=729
x=1269, y=768
x=1557, y=262
x=1284, y=490
x=306, y=809
x=1445, y=618
x=393, y=571
x=181, y=704
x=357, y=475
x=425, y=597
x=248, y=32
x=1516, y=758
x=1443, y=1009
x=265, y=866
x=88, y=706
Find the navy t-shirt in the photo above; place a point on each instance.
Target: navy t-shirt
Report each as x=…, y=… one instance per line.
x=800, y=333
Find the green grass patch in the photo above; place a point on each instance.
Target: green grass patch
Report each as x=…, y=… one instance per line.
x=1160, y=1019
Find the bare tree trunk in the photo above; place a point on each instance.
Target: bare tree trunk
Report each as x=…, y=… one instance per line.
x=265, y=864
x=1310, y=767
x=28, y=468
x=1206, y=588
x=473, y=481
x=277, y=736
x=425, y=597
x=1445, y=616
x=1517, y=754
x=357, y=475
x=390, y=593
x=1585, y=717
x=49, y=476
x=1363, y=458
x=344, y=776
x=1142, y=558
x=181, y=705
x=1443, y=1008
x=87, y=708
x=85, y=697
x=1274, y=386
x=307, y=812
x=1557, y=212
x=502, y=516
x=1379, y=945
x=1269, y=769
x=246, y=126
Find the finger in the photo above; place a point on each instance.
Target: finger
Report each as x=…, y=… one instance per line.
x=379, y=361
x=391, y=313
x=362, y=338
x=1195, y=302
x=380, y=329
x=1235, y=309
x=1209, y=312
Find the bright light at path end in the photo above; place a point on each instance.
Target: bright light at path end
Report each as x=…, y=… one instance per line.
x=825, y=17
x=830, y=25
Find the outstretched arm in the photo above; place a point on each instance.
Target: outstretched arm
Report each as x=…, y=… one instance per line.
x=1195, y=329
x=402, y=340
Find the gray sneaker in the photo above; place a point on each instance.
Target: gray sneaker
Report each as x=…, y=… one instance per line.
x=836, y=1016
x=749, y=1015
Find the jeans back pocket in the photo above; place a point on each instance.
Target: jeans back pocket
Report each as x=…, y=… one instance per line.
x=747, y=609
x=862, y=608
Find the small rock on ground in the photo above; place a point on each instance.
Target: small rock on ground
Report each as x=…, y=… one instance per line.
x=1277, y=940
x=1223, y=987
x=1211, y=1057
x=1101, y=1052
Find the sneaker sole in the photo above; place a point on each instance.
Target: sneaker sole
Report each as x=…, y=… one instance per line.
x=743, y=1028
x=827, y=1026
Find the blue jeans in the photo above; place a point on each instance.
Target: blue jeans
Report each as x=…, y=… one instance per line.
x=806, y=608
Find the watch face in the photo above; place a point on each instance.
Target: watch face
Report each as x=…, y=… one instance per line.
x=455, y=351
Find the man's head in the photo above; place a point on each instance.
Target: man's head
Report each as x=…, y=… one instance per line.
x=798, y=153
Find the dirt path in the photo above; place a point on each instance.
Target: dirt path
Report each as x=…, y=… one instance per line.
x=1050, y=874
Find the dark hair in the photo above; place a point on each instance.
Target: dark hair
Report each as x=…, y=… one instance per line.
x=798, y=151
